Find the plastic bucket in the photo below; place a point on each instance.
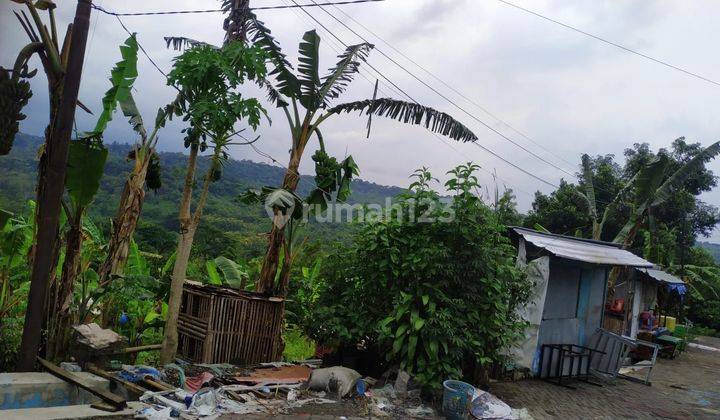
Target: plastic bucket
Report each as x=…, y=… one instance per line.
x=457, y=399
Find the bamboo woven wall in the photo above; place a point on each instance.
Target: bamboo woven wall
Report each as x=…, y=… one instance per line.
x=221, y=325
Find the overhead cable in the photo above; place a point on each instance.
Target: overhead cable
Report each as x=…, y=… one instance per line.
x=188, y=12
x=614, y=44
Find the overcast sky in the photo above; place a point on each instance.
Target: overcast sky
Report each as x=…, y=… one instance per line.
x=566, y=92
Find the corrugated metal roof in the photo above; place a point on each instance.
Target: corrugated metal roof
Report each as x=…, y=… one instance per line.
x=585, y=250
x=661, y=276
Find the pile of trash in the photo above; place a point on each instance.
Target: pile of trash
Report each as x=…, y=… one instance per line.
x=194, y=391
x=276, y=388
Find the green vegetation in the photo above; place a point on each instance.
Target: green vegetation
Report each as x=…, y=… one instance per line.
x=435, y=292
x=431, y=285
x=651, y=206
x=230, y=228
x=314, y=100
x=297, y=345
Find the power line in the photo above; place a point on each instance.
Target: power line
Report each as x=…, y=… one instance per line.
x=614, y=44
x=142, y=49
x=183, y=12
x=145, y=52
x=346, y=45
x=486, y=125
x=484, y=148
x=462, y=95
x=438, y=137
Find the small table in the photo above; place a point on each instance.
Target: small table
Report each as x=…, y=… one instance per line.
x=670, y=345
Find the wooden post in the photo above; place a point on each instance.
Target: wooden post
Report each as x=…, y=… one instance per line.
x=116, y=401
x=51, y=192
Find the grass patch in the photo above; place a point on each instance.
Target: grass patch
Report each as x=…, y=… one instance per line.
x=697, y=330
x=297, y=345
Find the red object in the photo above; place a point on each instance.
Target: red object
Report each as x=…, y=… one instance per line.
x=289, y=374
x=194, y=383
x=618, y=306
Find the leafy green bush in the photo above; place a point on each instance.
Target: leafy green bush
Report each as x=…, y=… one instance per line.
x=435, y=293
x=297, y=345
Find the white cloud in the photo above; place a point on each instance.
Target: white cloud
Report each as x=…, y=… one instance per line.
x=568, y=92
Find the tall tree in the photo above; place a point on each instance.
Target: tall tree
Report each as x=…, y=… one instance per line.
x=308, y=100
x=602, y=190
x=656, y=183
x=208, y=78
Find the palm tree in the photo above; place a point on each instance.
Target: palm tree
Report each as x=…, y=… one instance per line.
x=307, y=101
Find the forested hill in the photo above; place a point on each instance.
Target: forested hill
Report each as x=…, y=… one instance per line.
x=228, y=227
x=712, y=248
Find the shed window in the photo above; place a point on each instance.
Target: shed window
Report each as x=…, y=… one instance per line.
x=561, y=300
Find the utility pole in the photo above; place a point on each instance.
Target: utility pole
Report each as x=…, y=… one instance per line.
x=50, y=194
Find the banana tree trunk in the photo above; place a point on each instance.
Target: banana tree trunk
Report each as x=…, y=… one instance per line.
x=188, y=227
x=61, y=317
x=285, y=271
x=266, y=282
x=125, y=222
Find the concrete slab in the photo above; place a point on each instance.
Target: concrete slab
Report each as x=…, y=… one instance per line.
x=70, y=412
x=42, y=389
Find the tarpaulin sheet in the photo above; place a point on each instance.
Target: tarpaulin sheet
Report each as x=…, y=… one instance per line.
x=525, y=352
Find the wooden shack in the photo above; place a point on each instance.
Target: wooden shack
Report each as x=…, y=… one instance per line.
x=225, y=325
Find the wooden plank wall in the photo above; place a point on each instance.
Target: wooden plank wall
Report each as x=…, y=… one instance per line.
x=224, y=328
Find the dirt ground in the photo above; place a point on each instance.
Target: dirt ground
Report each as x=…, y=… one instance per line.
x=685, y=387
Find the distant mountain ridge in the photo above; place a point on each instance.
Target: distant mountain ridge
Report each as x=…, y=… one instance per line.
x=712, y=248
x=255, y=174
x=224, y=215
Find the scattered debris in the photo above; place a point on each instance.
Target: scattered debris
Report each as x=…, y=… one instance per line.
x=487, y=406
x=92, y=335
x=276, y=374
x=337, y=379
x=194, y=383
x=138, y=373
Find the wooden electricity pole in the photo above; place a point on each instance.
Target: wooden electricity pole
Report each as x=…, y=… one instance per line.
x=50, y=192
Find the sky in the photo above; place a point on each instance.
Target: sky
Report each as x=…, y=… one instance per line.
x=555, y=92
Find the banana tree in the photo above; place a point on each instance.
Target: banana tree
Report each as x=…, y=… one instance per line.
x=86, y=162
x=15, y=92
x=653, y=186
x=224, y=271
x=588, y=195
x=307, y=101
x=208, y=78
x=146, y=165
x=15, y=242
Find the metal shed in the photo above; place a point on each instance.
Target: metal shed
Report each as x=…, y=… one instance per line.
x=570, y=281
x=639, y=290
